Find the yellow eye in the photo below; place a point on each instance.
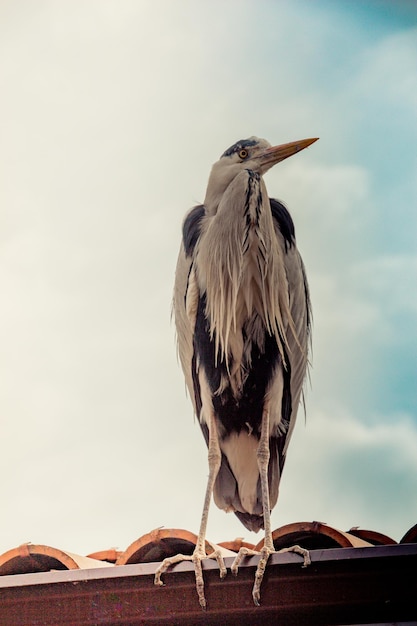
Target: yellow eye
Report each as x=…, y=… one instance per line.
x=243, y=153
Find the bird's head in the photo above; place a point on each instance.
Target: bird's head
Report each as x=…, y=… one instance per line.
x=247, y=154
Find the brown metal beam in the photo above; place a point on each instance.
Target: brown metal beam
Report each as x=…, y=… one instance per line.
x=342, y=586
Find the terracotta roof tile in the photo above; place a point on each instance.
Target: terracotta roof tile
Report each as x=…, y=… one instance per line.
x=30, y=558
x=162, y=542
x=410, y=536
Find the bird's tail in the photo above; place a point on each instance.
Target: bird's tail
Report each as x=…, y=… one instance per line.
x=226, y=490
x=253, y=523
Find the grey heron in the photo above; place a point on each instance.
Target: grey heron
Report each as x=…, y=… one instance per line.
x=242, y=314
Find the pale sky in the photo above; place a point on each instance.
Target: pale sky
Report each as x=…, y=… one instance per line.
x=112, y=113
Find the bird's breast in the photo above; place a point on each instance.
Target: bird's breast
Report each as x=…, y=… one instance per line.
x=240, y=282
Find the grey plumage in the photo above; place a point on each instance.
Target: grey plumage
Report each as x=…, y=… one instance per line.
x=242, y=315
x=239, y=257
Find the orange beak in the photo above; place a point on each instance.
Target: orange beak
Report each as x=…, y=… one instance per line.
x=271, y=156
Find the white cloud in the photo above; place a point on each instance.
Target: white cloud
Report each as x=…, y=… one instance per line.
x=353, y=472
x=114, y=113
x=389, y=63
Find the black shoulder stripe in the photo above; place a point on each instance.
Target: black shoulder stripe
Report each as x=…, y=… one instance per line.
x=284, y=221
x=191, y=228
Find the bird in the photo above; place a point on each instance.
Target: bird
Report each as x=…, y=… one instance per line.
x=243, y=322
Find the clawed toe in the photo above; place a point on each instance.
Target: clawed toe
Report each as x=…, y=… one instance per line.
x=197, y=558
x=264, y=555
x=166, y=563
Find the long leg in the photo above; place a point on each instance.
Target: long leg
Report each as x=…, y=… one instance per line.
x=214, y=461
x=263, y=454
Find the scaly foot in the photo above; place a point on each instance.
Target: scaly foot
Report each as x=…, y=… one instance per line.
x=265, y=553
x=197, y=557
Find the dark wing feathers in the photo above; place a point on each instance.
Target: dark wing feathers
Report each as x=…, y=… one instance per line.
x=191, y=228
x=283, y=220
x=297, y=347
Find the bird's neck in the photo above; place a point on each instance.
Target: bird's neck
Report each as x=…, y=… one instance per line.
x=220, y=179
x=213, y=197
x=240, y=267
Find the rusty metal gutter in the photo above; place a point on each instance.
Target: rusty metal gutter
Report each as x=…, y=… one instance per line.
x=342, y=586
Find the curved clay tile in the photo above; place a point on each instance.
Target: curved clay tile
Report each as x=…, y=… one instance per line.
x=373, y=537
x=30, y=559
x=110, y=556
x=313, y=536
x=160, y=544
x=236, y=544
x=410, y=536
